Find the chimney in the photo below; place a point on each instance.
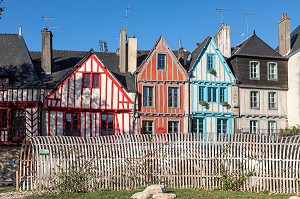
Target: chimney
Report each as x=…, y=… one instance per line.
x=20, y=30
x=122, y=51
x=180, y=55
x=222, y=38
x=284, y=34
x=47, y=51
x=132, y=54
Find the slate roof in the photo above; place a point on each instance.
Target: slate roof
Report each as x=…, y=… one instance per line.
x=295, y=41
x=197, y=52
x=64, y=61
x=16, y=64
x=255, y=47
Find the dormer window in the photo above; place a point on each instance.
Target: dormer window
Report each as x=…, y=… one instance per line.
x=161, y=61
x=210, y=61
x=272, y=71
x=254, y=70
x=3, y=83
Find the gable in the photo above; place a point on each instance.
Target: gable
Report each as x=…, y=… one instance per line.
x=150, y=70
x=98, y=90
x=200, y=71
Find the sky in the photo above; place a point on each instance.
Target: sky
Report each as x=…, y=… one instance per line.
x=80, y=24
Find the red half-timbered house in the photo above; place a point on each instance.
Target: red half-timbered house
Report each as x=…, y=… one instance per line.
x=20, y=91
x=163, y=92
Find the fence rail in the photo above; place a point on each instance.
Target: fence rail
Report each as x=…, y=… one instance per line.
x=177, y=160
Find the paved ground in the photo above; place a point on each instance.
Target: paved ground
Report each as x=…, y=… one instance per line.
x=13, y=194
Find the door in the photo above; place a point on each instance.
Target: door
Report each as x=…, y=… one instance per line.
x=18, y=129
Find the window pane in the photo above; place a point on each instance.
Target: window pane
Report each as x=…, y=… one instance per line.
x=161, y=61
x=222, y=94
x=271, y=127
x=272, y=100
x=254, y=99
x=210, y=61
x=107, y=124
x=222, y=125
x=173, y=126
x=95, y=80
x=86, y=80
x=18, y=124
x=147, y=127
x=212, y=94
x=173, y=97
x=272, y=70
x=253, y=126
x=147, y=96
x=254, y=70
x=201, y=93
x=3, y=115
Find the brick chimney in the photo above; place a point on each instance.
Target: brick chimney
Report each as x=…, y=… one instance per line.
x=122, y=51
x=223, y=40
x=284, y=34
x=132, y=54
x=47, y=51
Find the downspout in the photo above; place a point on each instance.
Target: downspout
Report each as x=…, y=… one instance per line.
x=189, y=104
x=134, y=105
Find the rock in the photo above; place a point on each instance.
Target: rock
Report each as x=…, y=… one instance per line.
x=153, y=189
x=294, y=197
x=164, y=196
x=141, y=195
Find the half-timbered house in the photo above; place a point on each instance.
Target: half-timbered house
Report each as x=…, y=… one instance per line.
x=85, y=93
x=211, y=81
x=262, y=79
x=163, y=92
x=20, y=91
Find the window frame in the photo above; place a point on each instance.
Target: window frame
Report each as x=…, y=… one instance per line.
x=146, y=105
x=221, y=124
x=275, y=71
x=198, y=122
x=72, y=124
x=84, y=83
x=145, y=123
x=275, y=100
x=3, y=118
x=158, y=61
x=224, y=94
x=210, y=65
x=173, y=98
x=258, y=100
x=93, y=80
x=106, y=131
x=255, y=128
x=172, y=124
x=272, y=131
x=257, y=70
x=211, y=94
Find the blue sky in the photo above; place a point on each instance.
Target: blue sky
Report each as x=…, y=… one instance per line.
x=82, y=23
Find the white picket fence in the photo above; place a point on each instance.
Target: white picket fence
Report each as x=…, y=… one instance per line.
x=177, y=160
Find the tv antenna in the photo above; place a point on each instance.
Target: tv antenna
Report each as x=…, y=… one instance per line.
x=103, y=46
x=48, y=21
x=127, y=12
x=247, y=15
x=221, y=10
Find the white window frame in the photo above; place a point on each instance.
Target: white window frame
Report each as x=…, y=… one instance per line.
x=252, y=103
x=148, y=126
x=274, y=75
x=196, y=122
x=172, y=122
x=272, y=100
x=222, y=130
x=272, y=126
x=173, y=97
x=212, y=64
x=158, y=61
x=254, y=71
x=253, y=126
x=147, y=101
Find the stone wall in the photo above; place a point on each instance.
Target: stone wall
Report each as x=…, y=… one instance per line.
x=9, y=164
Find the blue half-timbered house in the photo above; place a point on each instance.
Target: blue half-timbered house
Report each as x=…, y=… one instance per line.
x=211, y=88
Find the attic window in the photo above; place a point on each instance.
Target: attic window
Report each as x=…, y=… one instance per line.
x=161, y=61
x=3, y=83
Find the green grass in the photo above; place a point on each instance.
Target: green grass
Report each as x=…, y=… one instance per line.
x=3, y=190
x=181, y=193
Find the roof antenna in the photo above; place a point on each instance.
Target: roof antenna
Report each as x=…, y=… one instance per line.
x=48, y=20
x=20, y=30
x=103, y=46
x=126, y=14
x=180, y=44
x=221, y=10
x=247, y=15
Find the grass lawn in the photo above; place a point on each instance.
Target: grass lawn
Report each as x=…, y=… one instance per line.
x=181, y=193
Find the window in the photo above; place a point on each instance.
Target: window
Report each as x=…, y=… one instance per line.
x=222, y=125
x=173, y=95
x=3, y=83
x=254, y=99
x=3, y=118
x=210, y=61
x=222, y=95
x=71, y=125
x=18, y=124
x=272, y=71
x=173, y=126
x=147, y=127
x=95, y=80
x=254, y=70
x=148, y=96
x=212, y=94
x=161, y=61
x=198, y=125
x=107, y=124
x=272, y=100
x=253, y=126
x=201, y=93
x=271, y=127
x=86, y=80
